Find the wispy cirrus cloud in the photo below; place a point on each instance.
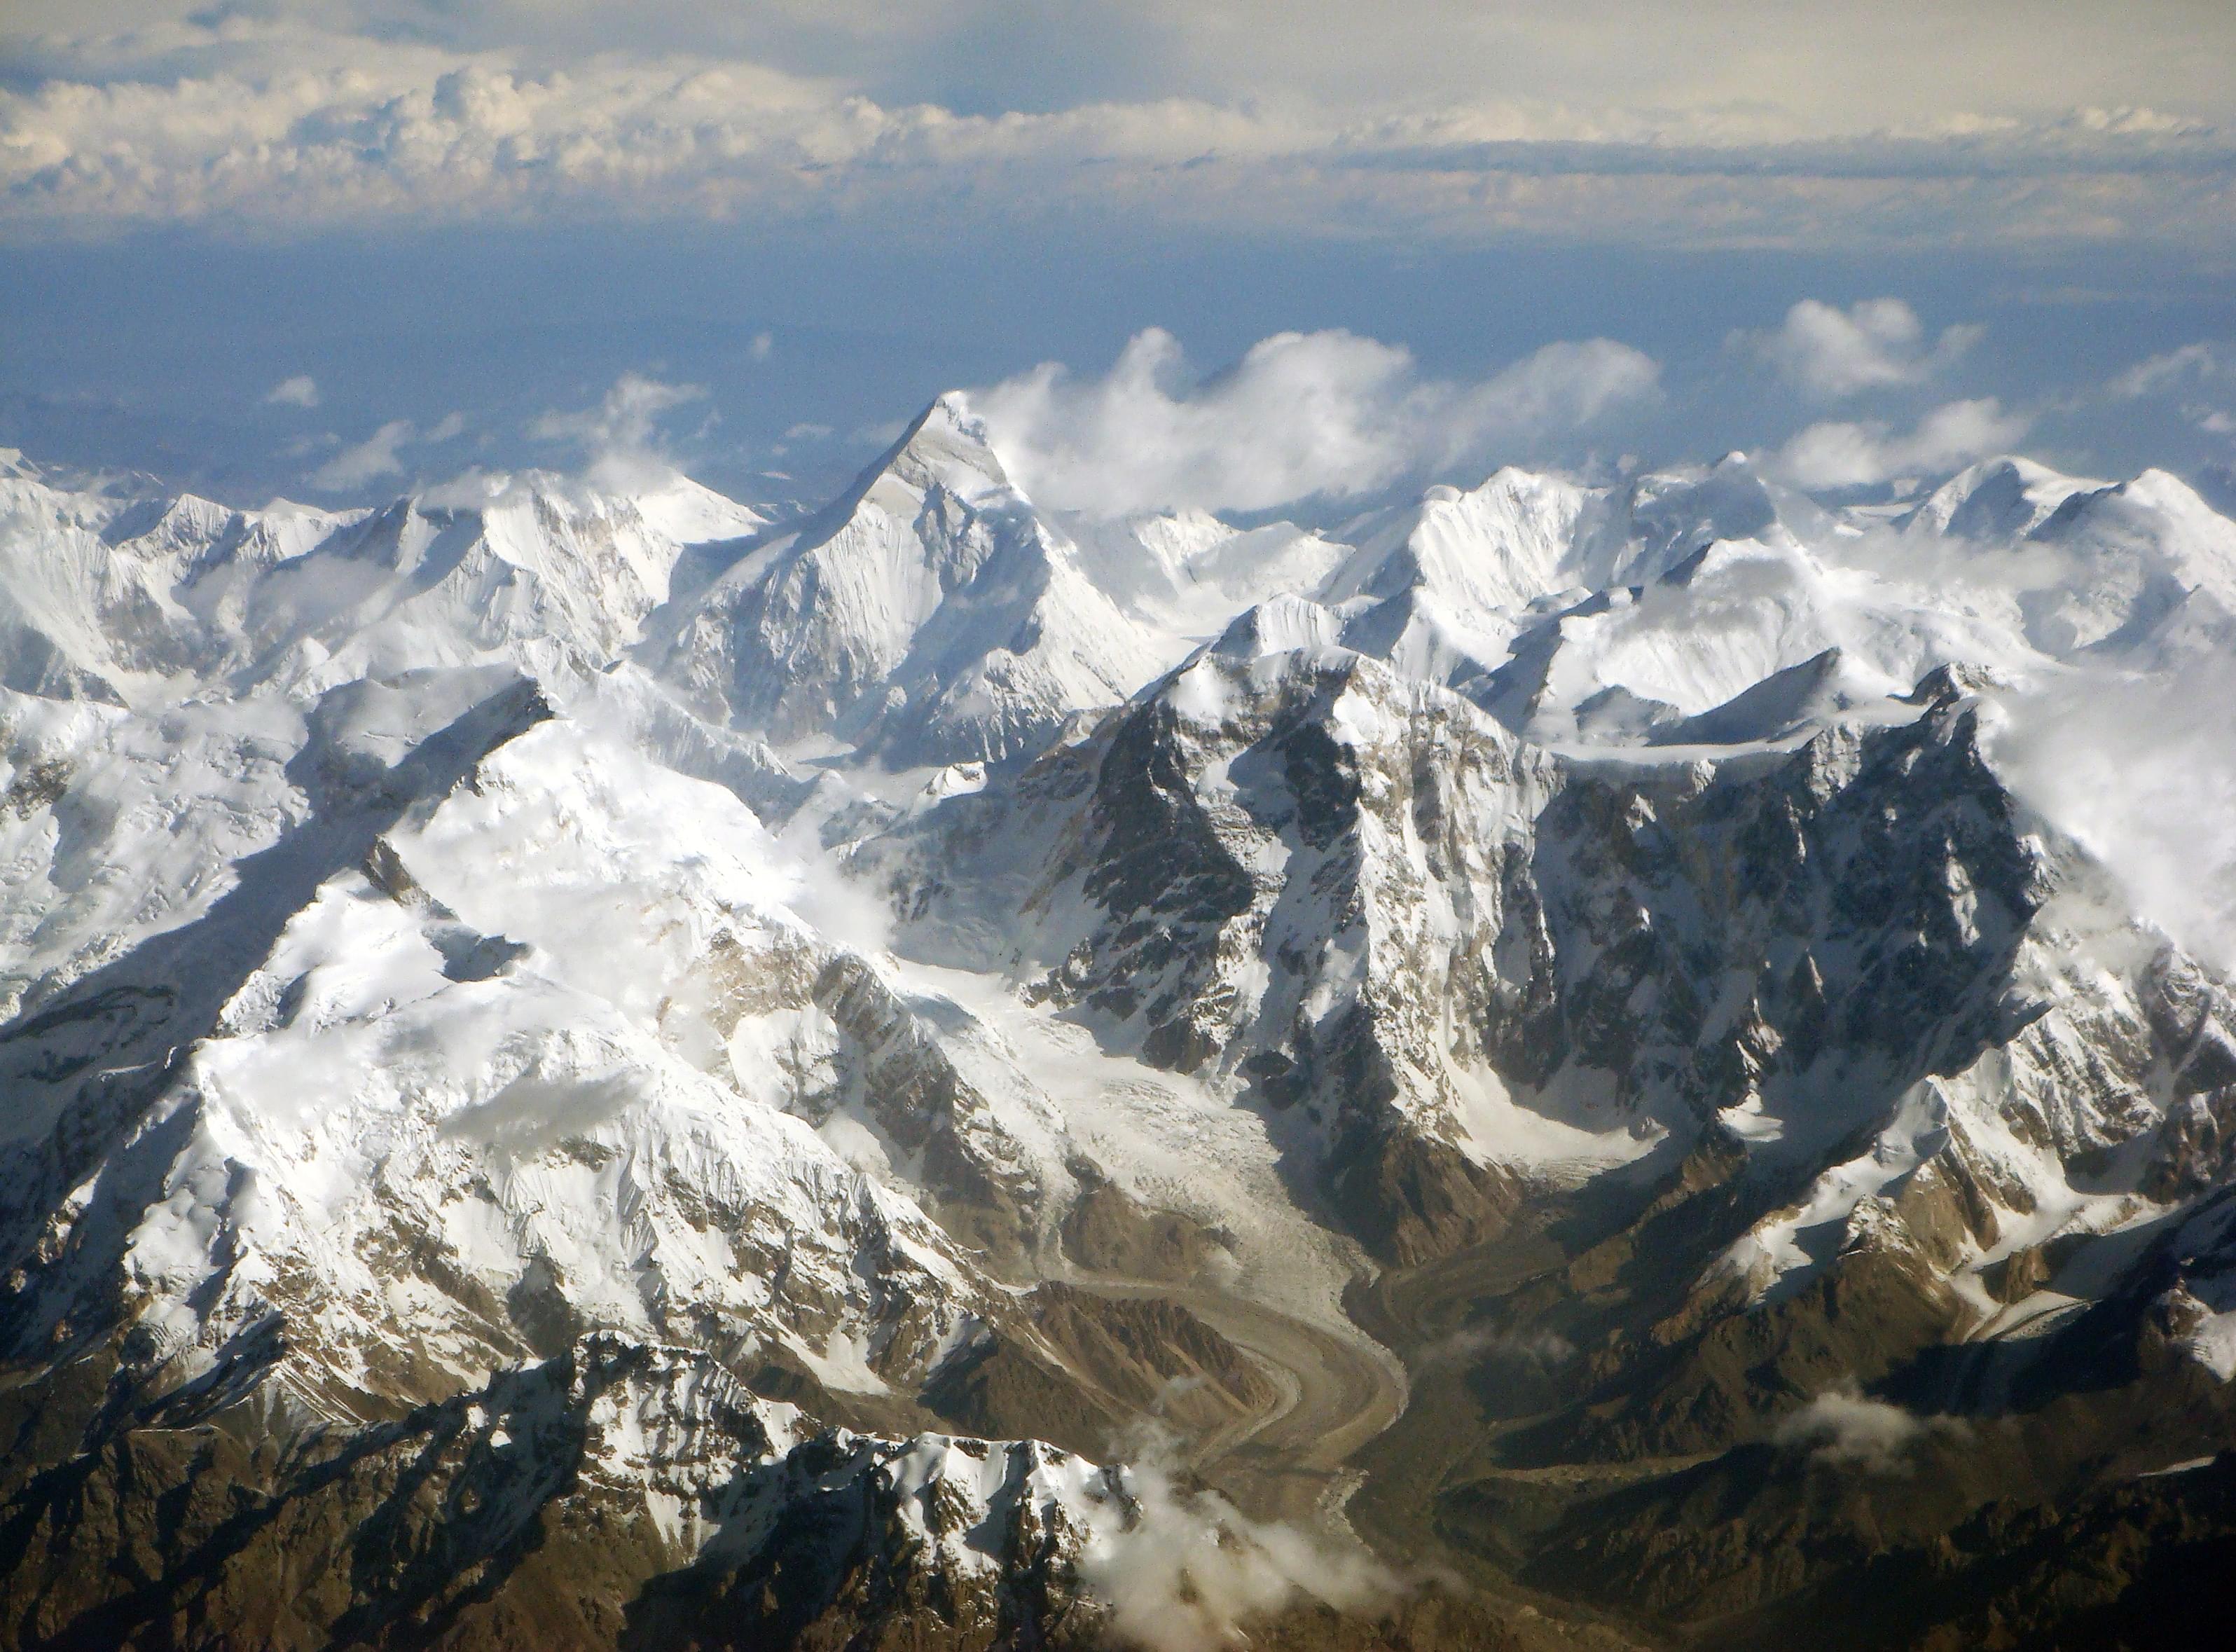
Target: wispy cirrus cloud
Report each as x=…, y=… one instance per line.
x=381, y=454
x=2169, y=370
x=2198, y=380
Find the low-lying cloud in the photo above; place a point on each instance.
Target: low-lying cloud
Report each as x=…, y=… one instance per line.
x=1301, y=414
x=1876, y=345
x=1541, y=1351
x=1849, y=455
x=1187, y=1572
x=2140, y=770
x=381, y=454
x=1843, y=1428
x=619, y=438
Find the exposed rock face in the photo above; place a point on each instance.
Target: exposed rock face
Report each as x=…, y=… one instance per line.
x=1277, y=902
x=614, y=1495
x=1368, y=903
x=1107, y=1231
x=1149, y=1358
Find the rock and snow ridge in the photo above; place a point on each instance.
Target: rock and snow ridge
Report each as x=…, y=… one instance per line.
x=426, y=955
x=931, y=616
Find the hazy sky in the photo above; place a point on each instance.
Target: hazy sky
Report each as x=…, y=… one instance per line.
x=337, y=246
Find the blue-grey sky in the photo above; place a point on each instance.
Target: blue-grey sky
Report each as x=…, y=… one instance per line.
x=333, y=248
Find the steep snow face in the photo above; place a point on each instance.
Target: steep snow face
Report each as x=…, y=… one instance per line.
x=932, y=616
x=1500, y=546
x=2140, y=573
x=1734, y=614
x=1522, y=538
x=2009, y=568
x=1440, y=588
x=1533, y=595
x=2149, y=558
x=535, y=577
x=114, y=828
x=1188, y=574
x=95, y=593
x=2003, y=498
x=691, y=514
x=1655, y=521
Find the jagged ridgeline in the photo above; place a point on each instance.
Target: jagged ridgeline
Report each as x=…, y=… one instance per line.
x=1553, y=1065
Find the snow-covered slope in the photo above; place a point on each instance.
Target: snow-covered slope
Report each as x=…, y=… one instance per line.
x=930, y=614
x=142, y=602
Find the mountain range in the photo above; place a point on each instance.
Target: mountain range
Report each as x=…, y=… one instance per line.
x=1619, y=1063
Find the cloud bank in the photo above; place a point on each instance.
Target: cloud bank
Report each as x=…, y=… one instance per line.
x=338, y=115
x=1300, y=414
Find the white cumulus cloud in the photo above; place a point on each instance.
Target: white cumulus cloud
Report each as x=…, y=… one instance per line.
x=1300, y=414
x=1188, y=1572
x=1876, y=344
x=301, y=390
x=1849, y=455
x=380, y=454
x=620, y=436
